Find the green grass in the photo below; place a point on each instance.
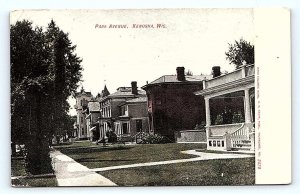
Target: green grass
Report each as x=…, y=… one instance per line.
x=235, y=172
x=97, y=156
x=35, y=182
x=18, y=169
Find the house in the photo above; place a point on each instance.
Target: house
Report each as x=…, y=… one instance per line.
x=92, y=115
x=133, y=117
x=110, y=107
x=172, y=104
x=82, y=99
x=230, y=109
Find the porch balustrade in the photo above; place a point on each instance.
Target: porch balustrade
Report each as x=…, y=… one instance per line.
x=243, y=137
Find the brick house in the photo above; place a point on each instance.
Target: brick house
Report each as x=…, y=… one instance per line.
x=172, y=104
x=110, y=106
x=133, y=117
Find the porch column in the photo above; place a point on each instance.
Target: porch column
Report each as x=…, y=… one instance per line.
x=207, y=112
x=247, y=106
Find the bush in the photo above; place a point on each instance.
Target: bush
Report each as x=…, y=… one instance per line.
x=219, y=120
x=238, y=118
x=111, y=136
x=154, y=139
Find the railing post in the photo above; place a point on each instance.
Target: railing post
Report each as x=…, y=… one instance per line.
x=228, y=141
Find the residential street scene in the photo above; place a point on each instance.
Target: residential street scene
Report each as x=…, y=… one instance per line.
x=110, y=104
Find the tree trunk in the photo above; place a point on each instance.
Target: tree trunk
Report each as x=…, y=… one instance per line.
x=37, y=156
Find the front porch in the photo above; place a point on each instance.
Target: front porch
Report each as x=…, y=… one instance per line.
x=230, y=110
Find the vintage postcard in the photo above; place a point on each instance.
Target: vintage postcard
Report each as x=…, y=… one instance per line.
x=150, y=97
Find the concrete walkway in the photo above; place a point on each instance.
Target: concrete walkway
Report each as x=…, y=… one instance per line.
x=201, y=156
x=70, y=173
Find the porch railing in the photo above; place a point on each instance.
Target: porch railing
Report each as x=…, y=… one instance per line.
x=242, y=135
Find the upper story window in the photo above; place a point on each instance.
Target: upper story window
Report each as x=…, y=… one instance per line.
x=124, y=110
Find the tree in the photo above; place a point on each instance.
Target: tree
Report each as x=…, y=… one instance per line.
x=44, y=72
x=29, y=93
x=239, y=52
x=66, y=73
x=189, y=72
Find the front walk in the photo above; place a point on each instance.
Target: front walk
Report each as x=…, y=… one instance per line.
x=70, y=173
x=201, y=156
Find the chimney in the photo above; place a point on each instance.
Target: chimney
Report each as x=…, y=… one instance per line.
x=216, y=71
x=134, y=87
x=180, y=74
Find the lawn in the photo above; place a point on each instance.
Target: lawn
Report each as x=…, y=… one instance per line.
x=18, y=169
x=210, y=172
x=97, y=156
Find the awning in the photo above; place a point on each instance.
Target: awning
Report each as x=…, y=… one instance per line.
x=93, y=129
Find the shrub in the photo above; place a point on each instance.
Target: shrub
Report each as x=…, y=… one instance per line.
x=238, y=118
x=111, y=136
x=219, y=120
x=154, y=139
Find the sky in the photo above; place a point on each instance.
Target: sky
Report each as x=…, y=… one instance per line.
x=194, y=38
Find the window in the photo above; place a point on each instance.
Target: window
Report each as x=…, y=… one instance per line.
x=82, y=131
x=81, y=118
x=82, y=102
x=125, y=128
x=139, y=125
x=124, y=110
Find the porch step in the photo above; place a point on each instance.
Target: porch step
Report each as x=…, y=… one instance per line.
x=243, y=145
x=239, y=148
x=246, y=141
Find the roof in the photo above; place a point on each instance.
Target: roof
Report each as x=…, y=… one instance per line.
x=94, y=106
x=173, y=79
x=82, y=92
x=126, y=93
x=228, y=81
x=136, y=100
x=105, y=92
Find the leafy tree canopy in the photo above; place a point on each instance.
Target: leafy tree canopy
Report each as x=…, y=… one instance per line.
x=45, y=71
x=239, y=52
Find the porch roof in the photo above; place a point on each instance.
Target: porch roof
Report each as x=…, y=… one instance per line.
x=226, y=86
x=240, y=77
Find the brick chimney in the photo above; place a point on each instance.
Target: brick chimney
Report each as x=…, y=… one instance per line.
x=216, y=70
x=180, y=74
x=134, y=87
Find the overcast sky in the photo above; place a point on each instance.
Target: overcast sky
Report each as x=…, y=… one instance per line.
x=194, y=38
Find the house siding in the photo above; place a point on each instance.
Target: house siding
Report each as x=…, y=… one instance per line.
x=174, y=107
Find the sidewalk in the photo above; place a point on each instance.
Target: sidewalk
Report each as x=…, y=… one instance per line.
x=70, y=173
x=201, y=156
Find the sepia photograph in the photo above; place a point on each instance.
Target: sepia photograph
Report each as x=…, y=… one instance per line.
x=133, y=97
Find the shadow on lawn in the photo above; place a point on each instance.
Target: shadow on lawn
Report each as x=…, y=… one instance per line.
x=79, y=150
